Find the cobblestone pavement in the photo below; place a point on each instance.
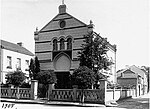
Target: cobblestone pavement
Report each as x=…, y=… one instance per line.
x=141, y=102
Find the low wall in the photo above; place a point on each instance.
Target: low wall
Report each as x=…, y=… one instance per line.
x=90, y=95
x=79, y=95
x=24, y=93
x=116, y=94
x=112, y=94
x=62, y=94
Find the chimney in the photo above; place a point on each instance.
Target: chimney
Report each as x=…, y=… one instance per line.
x=62, y=9
x=20, y=44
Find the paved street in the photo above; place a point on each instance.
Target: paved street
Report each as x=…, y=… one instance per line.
x=136, y=103
x=39, y=106
x=131, y=103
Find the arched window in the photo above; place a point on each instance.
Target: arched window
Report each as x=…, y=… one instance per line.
x=69, y=43
x=55, y=45
x=62, y=44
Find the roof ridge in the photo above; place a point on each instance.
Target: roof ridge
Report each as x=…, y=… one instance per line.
x=134, y=67
x=15, y=47
x=60, y=15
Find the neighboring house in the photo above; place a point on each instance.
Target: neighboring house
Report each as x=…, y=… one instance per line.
x=58, y=43
x=133, y=77
x=13, y=57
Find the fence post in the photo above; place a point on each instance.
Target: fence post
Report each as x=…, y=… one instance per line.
x=18, y=94
x=120, y=92
x=103, y=87
x=50, y=89
x=75, y=92
x=113, y=93
x=34, y=89
x=9, y=91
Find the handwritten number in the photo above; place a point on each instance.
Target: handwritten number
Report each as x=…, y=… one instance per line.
x=4, y=106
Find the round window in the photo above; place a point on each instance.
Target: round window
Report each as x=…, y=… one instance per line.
x=62, y=24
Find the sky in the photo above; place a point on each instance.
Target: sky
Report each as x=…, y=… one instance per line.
x=122, y=22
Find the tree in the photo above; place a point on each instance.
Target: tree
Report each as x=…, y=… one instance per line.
x=34, y=68
x=45, y=78
x=37, y=65
x=31, y=68
x=83, y=77
x=15, y=78
x=94, y=54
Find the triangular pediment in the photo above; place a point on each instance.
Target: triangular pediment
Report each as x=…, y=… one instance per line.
x=70, y=22
x=128, y=72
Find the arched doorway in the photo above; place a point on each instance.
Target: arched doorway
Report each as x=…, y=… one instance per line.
x=62, y=64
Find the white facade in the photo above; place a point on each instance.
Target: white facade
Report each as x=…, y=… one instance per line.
x=9, y=63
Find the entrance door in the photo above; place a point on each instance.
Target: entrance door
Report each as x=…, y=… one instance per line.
x=63, y=80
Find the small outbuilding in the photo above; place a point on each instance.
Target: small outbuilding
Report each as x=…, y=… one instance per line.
x=133, y=77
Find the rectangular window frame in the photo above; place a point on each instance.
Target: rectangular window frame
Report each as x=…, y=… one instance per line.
x=27, y=65
x=9, y=62
x=18, y=67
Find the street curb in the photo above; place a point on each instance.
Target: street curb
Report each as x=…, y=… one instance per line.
x=54, y=104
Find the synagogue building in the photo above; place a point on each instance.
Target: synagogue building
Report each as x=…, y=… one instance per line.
x=57, y=45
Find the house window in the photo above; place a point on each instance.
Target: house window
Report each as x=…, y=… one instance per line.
x=27, y=65
x=62, y=44
x=55, y=45
x=69, y=43
x=27, y=62
x=18, y=64
x=9, y=62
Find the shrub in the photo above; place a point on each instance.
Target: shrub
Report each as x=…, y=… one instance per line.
x=15, y=78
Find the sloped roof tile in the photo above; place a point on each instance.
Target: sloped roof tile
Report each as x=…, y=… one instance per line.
x=14, y=47
x=134, y=69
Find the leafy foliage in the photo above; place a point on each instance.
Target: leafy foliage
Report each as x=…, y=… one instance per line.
x=15, y=78
x=83, y=77
x=37, y=65
x=31, y=68
x=34, y=68
x=47, y=77
x=94, y=53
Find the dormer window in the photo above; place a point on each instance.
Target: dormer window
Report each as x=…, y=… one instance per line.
x=55, y=47
x=62, y=44
x=69, y=43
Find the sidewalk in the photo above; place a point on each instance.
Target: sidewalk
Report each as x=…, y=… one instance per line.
x=141, y=102
x=45, y=102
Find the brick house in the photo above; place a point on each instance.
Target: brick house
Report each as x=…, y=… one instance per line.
x=133, y=77
x=57, y=45
x=13, y=57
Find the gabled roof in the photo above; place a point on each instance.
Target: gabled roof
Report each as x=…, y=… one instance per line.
x=71, y=22
x=14, y=47
x=133, y=69
x=54, y=23
x=137, y=70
